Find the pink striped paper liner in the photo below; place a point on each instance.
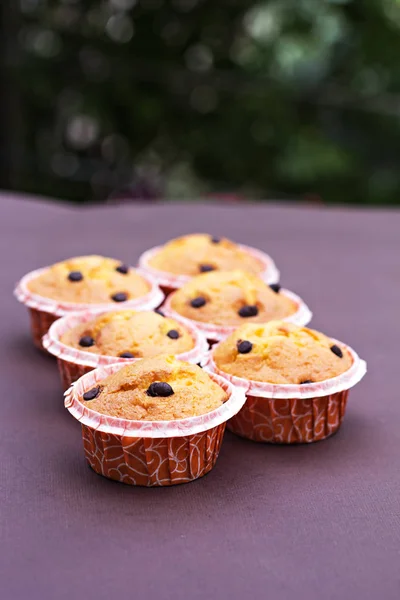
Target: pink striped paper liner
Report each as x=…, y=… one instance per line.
x=270, y=274
x=213, y=332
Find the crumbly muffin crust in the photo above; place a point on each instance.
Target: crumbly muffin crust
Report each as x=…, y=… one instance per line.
x=156, y=389
x=130, y=334
x=279, y=352
x=199, y=253
x=90, y=280
x=231, y=298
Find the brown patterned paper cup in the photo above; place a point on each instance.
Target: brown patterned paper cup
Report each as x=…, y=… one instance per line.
x=151, y=453
x=216, y=333
x=170, y=282
x=40, y=322
x=74, y=363
x=44, y=311
x=292, y=414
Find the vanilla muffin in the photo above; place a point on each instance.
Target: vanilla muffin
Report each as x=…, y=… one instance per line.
x=130, y=334
x=230, y=297
x=156, y=389
x=90, y=280
x=282, y=353
x=199, y=253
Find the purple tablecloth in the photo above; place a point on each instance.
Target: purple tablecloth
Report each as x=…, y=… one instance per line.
x=316, y=522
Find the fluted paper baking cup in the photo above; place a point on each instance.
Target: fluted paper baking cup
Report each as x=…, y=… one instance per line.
x=169, y=281
x=151, y=453
x=301, y=317
x=288, y=413
x=73, y=363
x=46, y=310
x=40, y=323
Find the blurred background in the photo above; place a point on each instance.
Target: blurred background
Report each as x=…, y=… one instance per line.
x=104, y=100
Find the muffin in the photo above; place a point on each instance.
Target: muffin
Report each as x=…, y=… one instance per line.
x=85, y=340
x=188, y=256
x=155, y=422
x=220, y=301
x=297, y=381
x=83, y=282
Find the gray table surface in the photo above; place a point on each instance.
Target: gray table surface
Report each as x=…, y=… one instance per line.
x=317, y=522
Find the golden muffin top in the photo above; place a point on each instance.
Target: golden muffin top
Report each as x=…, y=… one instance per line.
x=200, y=253
x=230, y=298
x=90, y=280
x=279, y=352
x=130, y=334
x=156, y=389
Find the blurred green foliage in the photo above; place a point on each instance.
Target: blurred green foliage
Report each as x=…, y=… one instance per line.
x=186, y=98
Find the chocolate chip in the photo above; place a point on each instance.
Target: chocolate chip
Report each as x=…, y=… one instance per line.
x=215, y=240
x=119, y=297
x=92, y=394
x=275, y=287
x=126, y=355
x=250, y=310
x=206, y=268
x=75, y=276
x=173, y=334
x=160, y=388
x=159, y=312
x=306, y=381
x=198, y=302
x=244, y=347
x=86, y=341
x=122, y=268
x=336, y=350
